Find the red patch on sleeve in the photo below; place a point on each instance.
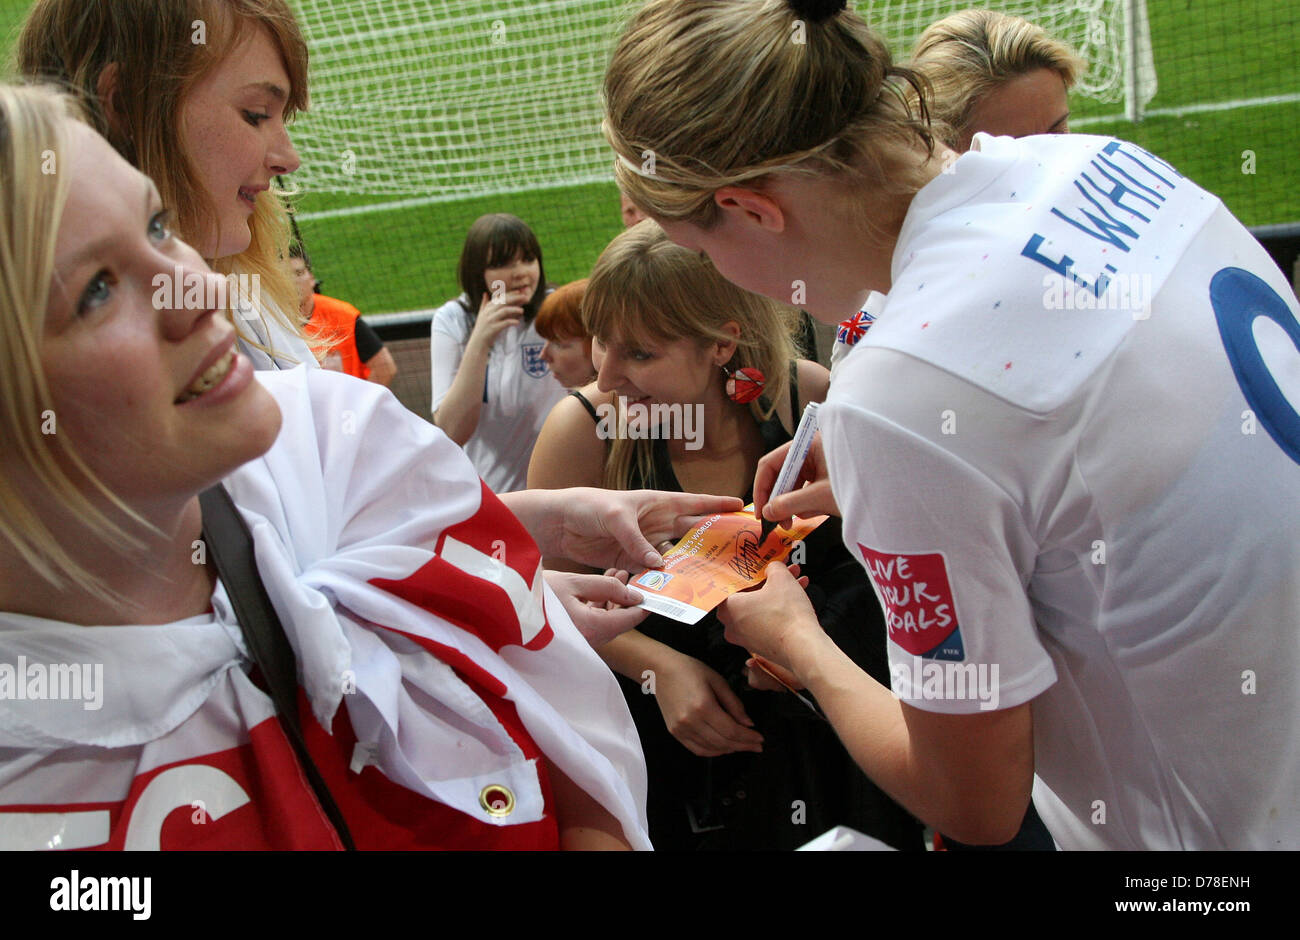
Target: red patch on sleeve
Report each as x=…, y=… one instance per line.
x=917, y=598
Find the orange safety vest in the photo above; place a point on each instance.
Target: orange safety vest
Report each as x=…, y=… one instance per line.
x=332, y=332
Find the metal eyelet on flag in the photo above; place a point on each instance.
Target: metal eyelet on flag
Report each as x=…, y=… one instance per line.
x=497, y=800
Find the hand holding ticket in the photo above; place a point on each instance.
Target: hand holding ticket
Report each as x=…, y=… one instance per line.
x=722, y=555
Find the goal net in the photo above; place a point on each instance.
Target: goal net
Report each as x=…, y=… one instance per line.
x=454, y=98
x=449, y=98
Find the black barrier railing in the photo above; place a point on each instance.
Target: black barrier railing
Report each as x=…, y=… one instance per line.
x=1282, y=242
x=407, y=334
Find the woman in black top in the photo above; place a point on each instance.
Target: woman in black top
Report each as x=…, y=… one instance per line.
x=730, y=766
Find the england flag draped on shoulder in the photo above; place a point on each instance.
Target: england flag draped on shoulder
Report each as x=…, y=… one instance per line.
x=438, y=675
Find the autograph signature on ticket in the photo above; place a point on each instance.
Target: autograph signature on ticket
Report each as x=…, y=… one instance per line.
x=717, y=558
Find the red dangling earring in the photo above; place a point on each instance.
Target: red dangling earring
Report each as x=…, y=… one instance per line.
x=744, y=385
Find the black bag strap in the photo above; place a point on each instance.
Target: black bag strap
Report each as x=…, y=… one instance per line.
x=231, y=544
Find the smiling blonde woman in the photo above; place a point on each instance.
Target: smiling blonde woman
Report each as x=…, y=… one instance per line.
x=443, y=692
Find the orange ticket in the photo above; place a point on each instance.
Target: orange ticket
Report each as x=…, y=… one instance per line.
x=714, y=560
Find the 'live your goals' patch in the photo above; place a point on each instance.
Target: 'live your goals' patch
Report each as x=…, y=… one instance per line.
x=917, y=599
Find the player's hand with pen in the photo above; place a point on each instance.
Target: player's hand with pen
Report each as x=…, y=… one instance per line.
x=811, y=493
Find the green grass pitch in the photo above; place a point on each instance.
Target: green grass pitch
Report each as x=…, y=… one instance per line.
x=1206, y=52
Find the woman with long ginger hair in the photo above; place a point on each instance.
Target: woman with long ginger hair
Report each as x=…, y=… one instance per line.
x=197, y=95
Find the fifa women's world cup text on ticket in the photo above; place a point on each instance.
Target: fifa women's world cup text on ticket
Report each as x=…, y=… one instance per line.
x=722, y=555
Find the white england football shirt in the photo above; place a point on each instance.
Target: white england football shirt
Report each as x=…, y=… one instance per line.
x=519, y=392
x=1068, y=453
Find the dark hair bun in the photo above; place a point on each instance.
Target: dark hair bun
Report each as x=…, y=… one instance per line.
x=817, y=10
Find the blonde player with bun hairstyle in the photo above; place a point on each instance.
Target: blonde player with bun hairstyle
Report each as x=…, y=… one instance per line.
x=1036, y=447
x=995, y=73
x=197, y=94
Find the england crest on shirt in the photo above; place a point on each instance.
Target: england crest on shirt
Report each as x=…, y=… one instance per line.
x=534, y=364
